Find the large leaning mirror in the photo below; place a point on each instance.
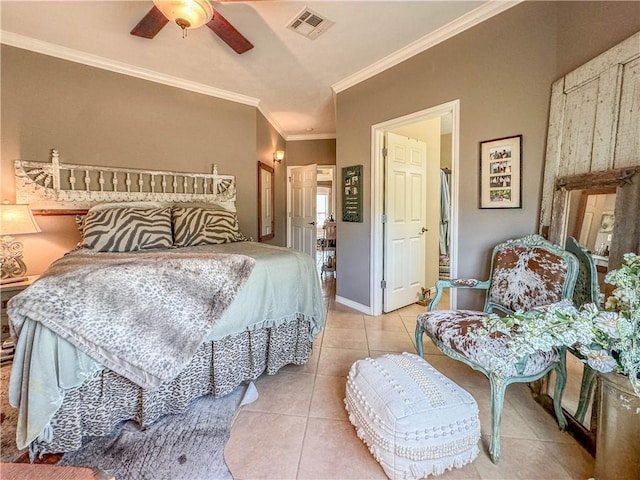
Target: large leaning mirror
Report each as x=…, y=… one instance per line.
x=599, y=211
x=591, y=217
x=266, y=198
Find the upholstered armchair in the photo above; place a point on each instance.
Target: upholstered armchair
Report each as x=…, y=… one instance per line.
x=525, y=273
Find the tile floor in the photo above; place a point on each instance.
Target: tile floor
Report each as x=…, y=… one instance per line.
x=298, y=428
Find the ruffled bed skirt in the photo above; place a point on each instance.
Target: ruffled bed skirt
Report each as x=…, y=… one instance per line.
x=218, y=367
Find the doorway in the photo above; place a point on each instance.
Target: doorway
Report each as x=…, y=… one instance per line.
x=413, y=126
x=311, y=202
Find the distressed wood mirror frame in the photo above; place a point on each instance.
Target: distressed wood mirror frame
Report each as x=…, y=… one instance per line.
x=625, y=182
x=592, y=145
x=626, y=230
x=266, y=199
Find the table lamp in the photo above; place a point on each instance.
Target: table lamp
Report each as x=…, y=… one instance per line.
x=14, y=220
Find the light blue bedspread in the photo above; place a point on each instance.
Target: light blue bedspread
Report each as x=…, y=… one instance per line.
x=284, y=285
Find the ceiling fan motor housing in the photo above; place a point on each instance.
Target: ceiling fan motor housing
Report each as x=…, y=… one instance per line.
x=190, y=14
x=186, y=13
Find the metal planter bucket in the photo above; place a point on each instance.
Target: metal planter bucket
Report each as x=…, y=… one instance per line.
x=618, y=435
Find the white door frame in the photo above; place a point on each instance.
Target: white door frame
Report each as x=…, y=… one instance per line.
x=377, y=191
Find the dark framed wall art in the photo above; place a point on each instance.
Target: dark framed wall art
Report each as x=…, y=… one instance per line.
x=352, y=194
x=500, y=173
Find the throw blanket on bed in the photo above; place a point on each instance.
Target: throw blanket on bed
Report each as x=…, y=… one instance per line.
x=143, y=315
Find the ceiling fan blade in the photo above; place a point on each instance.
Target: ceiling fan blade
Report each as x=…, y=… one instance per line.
x=228, y=33
x=150, y=24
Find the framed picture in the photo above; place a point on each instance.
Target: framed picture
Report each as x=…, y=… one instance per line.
x=352, y=194
x=606, y=222
x=500, y=173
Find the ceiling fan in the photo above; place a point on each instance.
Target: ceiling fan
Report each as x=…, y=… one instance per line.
x=190, y=14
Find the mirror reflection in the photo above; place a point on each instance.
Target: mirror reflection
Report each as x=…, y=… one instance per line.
x=590, y=220
x=266, y=198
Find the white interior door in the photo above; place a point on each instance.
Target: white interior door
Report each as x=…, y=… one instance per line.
x=404, y=238
x=303, y=209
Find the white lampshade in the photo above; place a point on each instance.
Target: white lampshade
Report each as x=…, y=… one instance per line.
x=186, y=13
x=17, y=220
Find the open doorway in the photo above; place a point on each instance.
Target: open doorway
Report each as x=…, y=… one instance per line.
x=440, y=235
x=311, y=203
x=325, y=196
x=326, y=220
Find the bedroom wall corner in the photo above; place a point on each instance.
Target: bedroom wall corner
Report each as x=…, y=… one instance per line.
x=98, y=117
x=501, y=71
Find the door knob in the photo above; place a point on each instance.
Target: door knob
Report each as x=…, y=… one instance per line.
x=423, y=230
x=312, y=223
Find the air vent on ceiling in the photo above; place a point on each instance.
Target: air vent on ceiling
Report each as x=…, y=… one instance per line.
x=310, y=24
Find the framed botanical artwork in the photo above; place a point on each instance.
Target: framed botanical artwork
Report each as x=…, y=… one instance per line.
x=500, y=173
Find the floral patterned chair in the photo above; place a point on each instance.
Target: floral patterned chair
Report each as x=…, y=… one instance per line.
x=525, y=273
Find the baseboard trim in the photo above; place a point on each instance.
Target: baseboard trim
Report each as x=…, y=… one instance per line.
x=355, y=305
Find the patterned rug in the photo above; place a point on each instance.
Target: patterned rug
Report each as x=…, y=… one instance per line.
x=185, y=446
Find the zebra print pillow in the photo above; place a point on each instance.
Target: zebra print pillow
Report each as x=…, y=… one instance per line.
x=200, y=226
x=127, y=229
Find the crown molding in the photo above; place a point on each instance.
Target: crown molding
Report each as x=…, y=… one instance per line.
x=472, y=18
x=46, y=48
x=291, y=138
x=39, y=46
x=267, y=114
x=311, y=136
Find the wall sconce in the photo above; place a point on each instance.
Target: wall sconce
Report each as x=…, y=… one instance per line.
x=14, y=220
x=278, y=156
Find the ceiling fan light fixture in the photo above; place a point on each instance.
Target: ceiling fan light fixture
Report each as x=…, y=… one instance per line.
x=186, y=13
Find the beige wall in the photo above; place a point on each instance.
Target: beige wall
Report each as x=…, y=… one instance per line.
x=306, y=152
x=587, y=29
x=501, y=71
x=445, y=150
x=97, y=117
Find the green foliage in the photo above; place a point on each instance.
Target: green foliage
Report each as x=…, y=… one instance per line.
x=625, y=299
x=608, y=340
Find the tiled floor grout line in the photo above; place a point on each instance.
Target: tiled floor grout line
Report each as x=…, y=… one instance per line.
x=366, y=336
x=306, y=423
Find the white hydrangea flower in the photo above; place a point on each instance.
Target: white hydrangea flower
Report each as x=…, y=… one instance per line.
x=608, y=323
x=599, y=360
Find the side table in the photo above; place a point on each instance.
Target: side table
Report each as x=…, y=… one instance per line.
x=7, y=291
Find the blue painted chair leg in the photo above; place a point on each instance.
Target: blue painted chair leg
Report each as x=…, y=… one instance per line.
x=561, y=381
x=586, y=388
x=498, y=388
x=419, y=346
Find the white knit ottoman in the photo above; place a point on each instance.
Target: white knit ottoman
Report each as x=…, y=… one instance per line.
x=415, y=421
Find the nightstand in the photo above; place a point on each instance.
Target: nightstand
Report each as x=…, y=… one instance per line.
x=9, y=290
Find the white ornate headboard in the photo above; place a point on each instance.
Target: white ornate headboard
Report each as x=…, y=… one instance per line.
x=62, y=188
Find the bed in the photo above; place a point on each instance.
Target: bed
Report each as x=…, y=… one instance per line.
x=163, y=302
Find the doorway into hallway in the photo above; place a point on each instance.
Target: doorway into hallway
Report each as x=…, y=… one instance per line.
x=437, y=201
